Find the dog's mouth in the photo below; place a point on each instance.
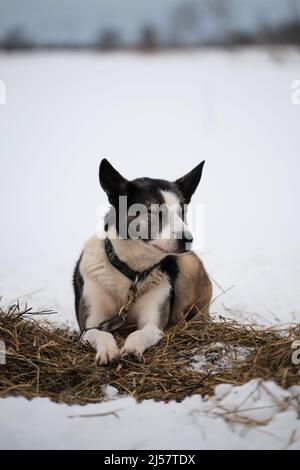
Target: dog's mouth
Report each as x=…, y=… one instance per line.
x=181, y=252
x=178, y=251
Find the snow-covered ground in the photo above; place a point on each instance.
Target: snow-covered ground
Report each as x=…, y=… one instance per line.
x=254, y=416
x=152, y=115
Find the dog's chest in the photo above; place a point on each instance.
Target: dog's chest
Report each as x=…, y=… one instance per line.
x=118, y=286
x=97, y=266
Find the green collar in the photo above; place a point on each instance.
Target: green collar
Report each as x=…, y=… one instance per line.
x=134, y=276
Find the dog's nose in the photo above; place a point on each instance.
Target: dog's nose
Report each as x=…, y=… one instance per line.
x=184, y=244
x=187, y=237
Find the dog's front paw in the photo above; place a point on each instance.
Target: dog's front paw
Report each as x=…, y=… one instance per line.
x=132, y=355
x=107, y=354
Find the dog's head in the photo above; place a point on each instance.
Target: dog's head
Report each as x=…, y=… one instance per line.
x=151, y=210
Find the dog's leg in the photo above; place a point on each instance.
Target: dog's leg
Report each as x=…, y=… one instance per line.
x=95, y=306
x=151, y=312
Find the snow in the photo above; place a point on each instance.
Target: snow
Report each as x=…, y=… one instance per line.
x=226, y=421
x=153, y=115
x=219, y=356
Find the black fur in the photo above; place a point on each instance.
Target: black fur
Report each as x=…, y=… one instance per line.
x=169, y=266
x=189, y=182
x=78, y=286
x=145, y=191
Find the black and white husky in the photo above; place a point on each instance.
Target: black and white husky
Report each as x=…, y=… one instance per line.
x=145, y=243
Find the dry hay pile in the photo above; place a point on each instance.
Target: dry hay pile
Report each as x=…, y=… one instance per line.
x=43, y=360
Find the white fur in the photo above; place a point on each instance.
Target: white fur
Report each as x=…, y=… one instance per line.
x=138, y=341
x=135, y=253
x=105, y=291
x=147, y=313
x=100, y=305
x=146, y=308
x=105, y=345
x=174, y=227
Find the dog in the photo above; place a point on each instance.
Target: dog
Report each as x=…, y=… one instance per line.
x=155, y=265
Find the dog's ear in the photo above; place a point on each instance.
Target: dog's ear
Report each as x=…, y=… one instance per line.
x=189, y=182
x=111, y=181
